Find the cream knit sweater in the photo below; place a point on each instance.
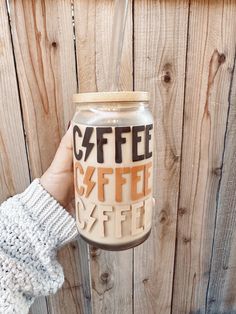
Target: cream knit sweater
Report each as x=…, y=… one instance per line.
x=32, y=226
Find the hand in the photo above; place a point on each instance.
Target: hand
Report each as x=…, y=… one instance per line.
x=58, y=180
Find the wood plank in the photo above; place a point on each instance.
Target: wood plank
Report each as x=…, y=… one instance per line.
x=221, y=288
x=160, y=43
x=85, y=19
x=39, y=306
x=14, y=173
x=44, y=48
x=210, y=59
x=93, y=23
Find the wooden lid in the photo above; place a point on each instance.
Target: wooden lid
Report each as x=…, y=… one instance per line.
x=111, y=97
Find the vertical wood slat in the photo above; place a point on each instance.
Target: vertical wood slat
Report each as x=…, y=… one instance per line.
x=210, y=60
x=111, y=272
x=221, y=289
x=44, y=48
x=14, y=173
x=160, y=43
x=93, y=26
x=39, y=306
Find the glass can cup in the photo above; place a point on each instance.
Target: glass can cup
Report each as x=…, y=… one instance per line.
x=113, y=138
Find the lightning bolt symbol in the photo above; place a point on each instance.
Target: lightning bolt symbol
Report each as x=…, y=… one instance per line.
x=86, y=143
x=87, y=180
x=90, y=220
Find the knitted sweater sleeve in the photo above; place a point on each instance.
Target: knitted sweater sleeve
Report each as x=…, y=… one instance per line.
x=32, y=226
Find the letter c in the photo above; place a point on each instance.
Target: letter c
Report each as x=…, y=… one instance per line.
x=77, y=131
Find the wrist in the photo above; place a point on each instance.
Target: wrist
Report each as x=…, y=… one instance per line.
x=51, y=217
x=59, y=186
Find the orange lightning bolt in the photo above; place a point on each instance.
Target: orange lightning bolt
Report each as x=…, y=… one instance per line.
x=87, y=180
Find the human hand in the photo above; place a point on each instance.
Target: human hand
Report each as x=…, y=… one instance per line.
x=58, y=180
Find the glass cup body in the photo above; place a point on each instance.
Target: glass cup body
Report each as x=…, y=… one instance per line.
x=113, y=173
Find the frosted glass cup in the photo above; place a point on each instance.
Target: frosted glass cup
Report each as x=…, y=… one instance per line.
x=113, y=168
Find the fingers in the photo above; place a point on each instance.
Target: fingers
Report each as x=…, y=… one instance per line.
x=63, y=160
x=71, y=207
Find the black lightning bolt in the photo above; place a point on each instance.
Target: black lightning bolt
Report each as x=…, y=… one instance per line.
x=86, y=143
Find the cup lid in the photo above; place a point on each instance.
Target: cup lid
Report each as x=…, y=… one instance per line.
x=124, y=96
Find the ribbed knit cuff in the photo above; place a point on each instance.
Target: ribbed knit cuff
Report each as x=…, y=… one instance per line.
x=49, y=213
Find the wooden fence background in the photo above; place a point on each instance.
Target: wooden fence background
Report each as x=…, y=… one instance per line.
x=183, y=53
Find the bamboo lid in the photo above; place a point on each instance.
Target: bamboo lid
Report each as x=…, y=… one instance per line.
x=126, y=96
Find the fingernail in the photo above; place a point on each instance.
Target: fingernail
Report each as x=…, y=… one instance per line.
x=68, y=125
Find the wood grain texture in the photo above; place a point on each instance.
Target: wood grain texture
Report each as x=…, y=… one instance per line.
x=85, y=34
x=14, y=174
x=111, y=272
x=93, y=25
x=210, y=60
x=44, y=48
x=160, y=43
x=39, y=306
x=221, y=288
